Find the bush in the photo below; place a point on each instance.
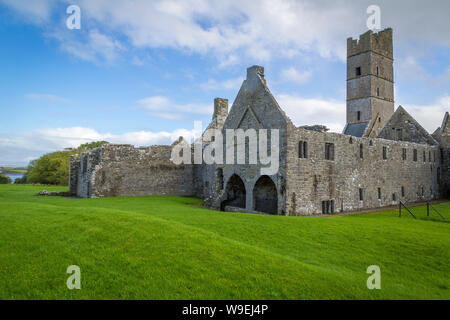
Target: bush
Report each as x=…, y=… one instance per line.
x=22, y=180
x=53, y=168
x=5, y=180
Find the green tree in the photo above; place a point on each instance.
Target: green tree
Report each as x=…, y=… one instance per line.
x=53, y=168
x=4, y=179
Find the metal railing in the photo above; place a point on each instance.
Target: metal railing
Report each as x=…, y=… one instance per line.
x=428, y=210
x=400, y=204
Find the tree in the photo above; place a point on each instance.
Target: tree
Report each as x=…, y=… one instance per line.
x=5, y=180
x=53, y=168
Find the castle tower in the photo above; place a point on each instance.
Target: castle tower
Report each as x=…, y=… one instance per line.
x=370, y=83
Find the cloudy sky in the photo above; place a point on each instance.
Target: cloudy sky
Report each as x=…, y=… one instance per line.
x=142, y=71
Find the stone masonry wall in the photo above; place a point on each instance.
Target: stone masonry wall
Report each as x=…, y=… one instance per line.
x=314, y=179
x=123, y=170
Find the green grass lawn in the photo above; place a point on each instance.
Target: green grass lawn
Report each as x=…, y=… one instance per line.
x=170, y=248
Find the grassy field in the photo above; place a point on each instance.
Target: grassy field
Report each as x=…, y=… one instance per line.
x=171, y=248
x=13, y=170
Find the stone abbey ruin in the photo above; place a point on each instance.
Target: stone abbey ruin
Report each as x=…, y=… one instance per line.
x=382, y=157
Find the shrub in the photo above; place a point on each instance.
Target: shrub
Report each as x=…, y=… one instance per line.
x=5, y=180
x=53, y=168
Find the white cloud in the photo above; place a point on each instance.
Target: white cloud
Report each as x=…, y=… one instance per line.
x=36, y=12
x=47, y=97
x=234, y=29
x=311, y=111
x=296, y=76
x=96, y=47
x=20, y=148
x=229, y=84
x=162, y=106
x=332, y=113
x=430, y=116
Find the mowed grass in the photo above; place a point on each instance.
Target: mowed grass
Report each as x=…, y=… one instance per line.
x=171, y=248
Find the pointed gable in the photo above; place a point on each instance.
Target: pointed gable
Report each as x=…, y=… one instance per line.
x=402, y=126
x=445, y=127
x=255, y=107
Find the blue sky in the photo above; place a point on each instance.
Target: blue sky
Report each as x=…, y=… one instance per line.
x=141, y=72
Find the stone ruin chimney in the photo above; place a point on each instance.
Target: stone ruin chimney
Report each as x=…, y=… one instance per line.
x=220, y=112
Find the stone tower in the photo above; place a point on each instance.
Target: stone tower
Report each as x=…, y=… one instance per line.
x=370, y=83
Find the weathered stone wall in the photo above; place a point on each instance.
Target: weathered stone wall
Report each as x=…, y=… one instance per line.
x=88, y=164
x=371, y=92
x=442, y=135
x=254, y=108
x=123, y=170
x=314, y=179
x=74, y=171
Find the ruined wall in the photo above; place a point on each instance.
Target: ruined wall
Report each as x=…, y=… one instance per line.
x=442, y=135
x=74, y=171
x=123, y=170
x=403, y=127
x=314, y=179
x=255, y=108
x=370, y=80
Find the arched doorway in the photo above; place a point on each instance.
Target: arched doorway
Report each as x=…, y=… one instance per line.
x=265, y=196
x=235, y=193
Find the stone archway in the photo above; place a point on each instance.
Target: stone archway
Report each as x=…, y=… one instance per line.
x=235, y=194
x=265, y=196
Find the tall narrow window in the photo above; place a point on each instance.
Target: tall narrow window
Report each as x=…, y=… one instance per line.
x=429, y=156
x=415, y=155
x=379, y=193
x=378, y=92
x=404, y=154
x=394, y=197
x=399, y=134
x=361, y=194
x=358, y=71
x=424, y=157
x=403, y=191
x=220, y=179
x=329, y=151
x=378, y=71
x=361, y=151
x=359, y=115
x=303, y=149
x=384, y=153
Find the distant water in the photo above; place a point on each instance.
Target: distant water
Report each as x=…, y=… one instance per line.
x=13, y=176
